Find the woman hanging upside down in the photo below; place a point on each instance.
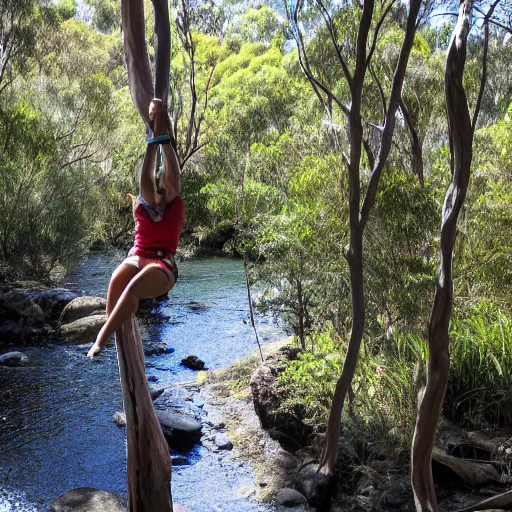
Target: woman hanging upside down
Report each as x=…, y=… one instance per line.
x=149, y=270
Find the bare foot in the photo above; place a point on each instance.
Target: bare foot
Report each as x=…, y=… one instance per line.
x=94, y=350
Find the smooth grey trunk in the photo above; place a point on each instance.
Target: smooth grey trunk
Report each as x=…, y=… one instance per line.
x=461, y=142
x=149, y=460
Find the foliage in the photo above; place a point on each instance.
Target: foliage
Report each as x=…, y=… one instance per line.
x=269, y=184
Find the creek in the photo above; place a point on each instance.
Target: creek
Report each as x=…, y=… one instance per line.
x=56, y=418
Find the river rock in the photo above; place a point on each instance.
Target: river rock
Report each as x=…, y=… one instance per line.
x=11, y=332
x=180, y=430
x=313, y=485
x=193, y=362
x=264, y=391
x=289, y=499
x=120, y=419
x=86, y=499
x=222, y=441
x=180, y=460
x=81, y=307
x=14, y=359
x=18, y=304
x=157, y=348
x=156, y=392
x=53, y=302
x=83, y=329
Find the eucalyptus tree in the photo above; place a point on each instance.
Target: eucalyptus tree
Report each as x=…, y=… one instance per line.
x=354, y=59
x=461, y=128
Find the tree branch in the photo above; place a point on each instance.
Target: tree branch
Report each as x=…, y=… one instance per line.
x=394, y=100
x=330, y=25
x=376, y=32
x=483, y=80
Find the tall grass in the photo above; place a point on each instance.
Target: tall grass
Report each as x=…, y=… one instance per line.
x=384, y=400
x=480, y=386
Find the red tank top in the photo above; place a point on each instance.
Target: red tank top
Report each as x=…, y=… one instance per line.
x=163, y=235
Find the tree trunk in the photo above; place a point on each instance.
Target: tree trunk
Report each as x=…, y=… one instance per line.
x=461, y=141
x=359, y=216
x=149, y=460
x=355, y=263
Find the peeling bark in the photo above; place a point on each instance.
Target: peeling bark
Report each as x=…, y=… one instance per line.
x=149, y=460
x=461, y=141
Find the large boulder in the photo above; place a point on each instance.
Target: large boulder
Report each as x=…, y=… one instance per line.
x=86, y=499
x=18, y=304
x=264, y=393
x=53, y=302
x=14, y=359
x=313, y=485
x=83, y=329
x=288, y=500
x=285, y=425
x=180, y=430
x=81, y=307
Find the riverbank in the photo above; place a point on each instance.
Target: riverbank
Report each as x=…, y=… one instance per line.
x=59, y=434
x=468, y=467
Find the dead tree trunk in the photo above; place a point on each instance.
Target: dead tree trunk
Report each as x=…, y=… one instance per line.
x=149, y=460
x=461, y=142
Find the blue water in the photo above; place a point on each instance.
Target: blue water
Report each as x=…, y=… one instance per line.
x=56, y=427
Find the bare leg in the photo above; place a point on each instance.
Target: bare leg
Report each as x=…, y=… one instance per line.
x=163, y=50
x=136, y=54
x=150, y=282
x=120, y=279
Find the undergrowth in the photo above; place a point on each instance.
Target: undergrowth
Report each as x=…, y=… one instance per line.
x=383, y=400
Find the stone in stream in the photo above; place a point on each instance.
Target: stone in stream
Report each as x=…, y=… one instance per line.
x=156, y=392
x=313, y=485
x=180, y=460
x=17, y=303
x=193, y=362
x=180, y=430
x=120, y=419
x=14, y=359
x=11, y=331
x=289, y=499
x=83, y=329
x=86, y=499
x=222, y=442
x=53, y=302
x=81, y=307
x=157, y=348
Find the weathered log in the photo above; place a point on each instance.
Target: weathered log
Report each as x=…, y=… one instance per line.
x=498, y=502
x=149, y=460
x=473, y=473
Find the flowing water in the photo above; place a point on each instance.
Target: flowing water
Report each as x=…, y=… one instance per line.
x=56, y=418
